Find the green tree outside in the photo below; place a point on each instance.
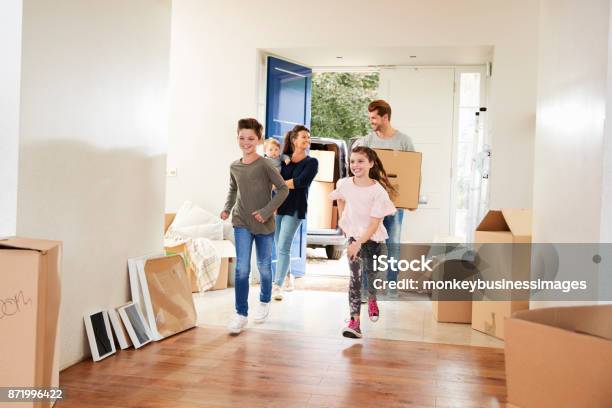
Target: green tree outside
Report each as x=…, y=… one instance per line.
x=340, y=103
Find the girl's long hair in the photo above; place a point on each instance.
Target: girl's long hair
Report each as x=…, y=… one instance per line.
x=290, y=137
x=377, y=172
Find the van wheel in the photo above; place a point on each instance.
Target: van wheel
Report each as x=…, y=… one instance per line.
x=334, y=251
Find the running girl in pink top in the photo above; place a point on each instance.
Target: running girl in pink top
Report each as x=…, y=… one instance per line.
x=363, y=201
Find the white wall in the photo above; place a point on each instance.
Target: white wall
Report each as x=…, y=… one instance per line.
x=606, y=199
x=93, y=143
x=572, y=177
x=571, y=107
x=214, y=75
x=10, y=68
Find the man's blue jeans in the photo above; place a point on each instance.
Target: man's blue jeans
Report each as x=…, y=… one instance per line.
x=263, y=247
x=393, y=225
x=286, y=226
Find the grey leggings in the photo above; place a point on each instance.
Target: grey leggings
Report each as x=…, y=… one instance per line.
x=363, y=263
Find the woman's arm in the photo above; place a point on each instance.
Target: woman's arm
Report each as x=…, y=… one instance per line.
x=306, y=176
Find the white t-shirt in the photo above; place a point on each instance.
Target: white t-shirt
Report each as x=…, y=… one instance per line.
x=362, y=203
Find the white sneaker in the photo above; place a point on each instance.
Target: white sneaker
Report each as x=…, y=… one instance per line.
x=261, y=312
x=277, y=293
x=290, y=283
x=238, y=323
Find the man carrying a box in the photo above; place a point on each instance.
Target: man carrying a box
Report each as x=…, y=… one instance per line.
x=384, y=136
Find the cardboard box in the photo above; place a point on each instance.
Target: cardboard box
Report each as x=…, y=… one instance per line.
x=327, y=162
x=320, y=206
x=505, y=226
x=226, y=251
x=488, y=316
x=334, y=222
x=452, y=306
x=29, y=316
x=452, y=311
x=509, y=230
x=560, y=357
x=404, y=172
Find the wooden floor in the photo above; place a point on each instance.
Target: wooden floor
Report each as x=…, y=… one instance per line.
x=206, y=367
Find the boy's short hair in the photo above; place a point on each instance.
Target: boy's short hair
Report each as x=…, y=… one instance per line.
x=253, y=124
x=271, y=141
x=381, y=107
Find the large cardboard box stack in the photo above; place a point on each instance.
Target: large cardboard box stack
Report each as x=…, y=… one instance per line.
x=320, y=207
x=327, y=162
x=225, y=249
x=507, y=226
x=560, y=357
x=29, y=317
x=404, y=172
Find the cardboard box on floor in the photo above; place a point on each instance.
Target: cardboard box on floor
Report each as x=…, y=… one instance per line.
x=29, y=316
x=327, y=161
x=507, y=226
x=224, y=248
x=410, y=252
x=320, y=206
x=560, y=357
x=404, y=172
x=227, y=252
x=452, y=306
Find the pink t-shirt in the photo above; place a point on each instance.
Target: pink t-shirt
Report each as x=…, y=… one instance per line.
x=362, y=203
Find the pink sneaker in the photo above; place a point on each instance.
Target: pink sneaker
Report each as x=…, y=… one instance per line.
x=373, y=310
x=352, y=331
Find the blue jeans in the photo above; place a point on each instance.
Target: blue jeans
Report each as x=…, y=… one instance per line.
x=263, y=247
x=286, y=226
x=393, y=225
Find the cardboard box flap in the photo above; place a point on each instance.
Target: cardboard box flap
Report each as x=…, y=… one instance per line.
x=225, y=248
x=493, y=221
x=518, y=220
x=40, y=245
x=589, y=320
x=168, y=219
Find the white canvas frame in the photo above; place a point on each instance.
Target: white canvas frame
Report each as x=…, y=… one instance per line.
x=120, y=332
x=135, y=286
x=147, y=306
x=91, y=337
x=130, y=328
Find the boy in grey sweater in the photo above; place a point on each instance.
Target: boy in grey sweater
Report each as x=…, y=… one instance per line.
x=251, y=205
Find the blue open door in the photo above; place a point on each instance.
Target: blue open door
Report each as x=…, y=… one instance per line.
x=288, y=104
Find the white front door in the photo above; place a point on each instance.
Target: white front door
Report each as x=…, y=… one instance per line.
x=422, y=104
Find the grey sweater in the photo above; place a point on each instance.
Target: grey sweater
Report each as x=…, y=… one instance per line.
x=399, y=141
x=250, y=190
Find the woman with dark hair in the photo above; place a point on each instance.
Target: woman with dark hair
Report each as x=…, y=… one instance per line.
x=298, y=175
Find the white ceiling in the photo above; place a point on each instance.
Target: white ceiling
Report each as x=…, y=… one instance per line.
x=377, y=56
